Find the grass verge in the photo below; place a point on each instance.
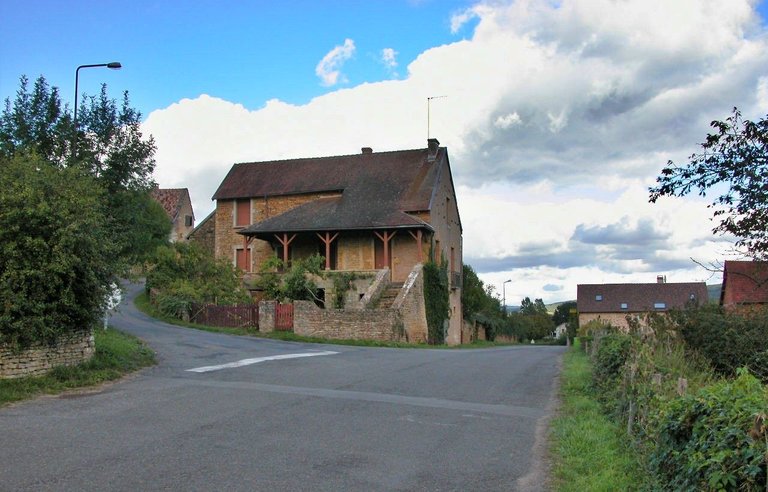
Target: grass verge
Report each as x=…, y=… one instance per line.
x=143, y=305
x=116, y=354
x=589, y=450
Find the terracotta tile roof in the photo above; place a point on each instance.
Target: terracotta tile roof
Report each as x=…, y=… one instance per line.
x=170, y=199
x=376, y=189
x=610, y=298
x=744, y=282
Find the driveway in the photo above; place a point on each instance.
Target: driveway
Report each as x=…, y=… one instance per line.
x=223, y=412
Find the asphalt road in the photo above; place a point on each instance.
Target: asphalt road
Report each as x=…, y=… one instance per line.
x=354, y=419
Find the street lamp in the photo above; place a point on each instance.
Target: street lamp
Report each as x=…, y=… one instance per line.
x=504, y=296
x=112, y=65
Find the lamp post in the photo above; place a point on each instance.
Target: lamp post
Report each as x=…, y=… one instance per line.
x=504, y=296
x=112, y=65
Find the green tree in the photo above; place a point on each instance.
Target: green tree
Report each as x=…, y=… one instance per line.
x=110, y=148
x=563, y=313
x=56, y=259
x=535, y=307
x=734, y=160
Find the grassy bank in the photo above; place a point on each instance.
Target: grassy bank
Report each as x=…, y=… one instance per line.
x=587, y=448
x=116, y=354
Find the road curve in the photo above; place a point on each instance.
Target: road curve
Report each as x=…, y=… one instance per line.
x=290, y=416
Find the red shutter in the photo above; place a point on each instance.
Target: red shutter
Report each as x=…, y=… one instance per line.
x=243, y=213
x=243, y=259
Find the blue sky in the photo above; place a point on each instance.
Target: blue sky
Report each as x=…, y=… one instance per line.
x=559, y=114
x=248, y=52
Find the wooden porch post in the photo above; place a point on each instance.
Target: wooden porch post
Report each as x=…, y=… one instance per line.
x=285, y=242
x=417, y=237
x=385, y=237
x=327, y=240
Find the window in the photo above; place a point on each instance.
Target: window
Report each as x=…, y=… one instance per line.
x=624, y=305
x=243, y=259
x=188, y=220
x=242, y=212
x=659, y=305
x=599, y=297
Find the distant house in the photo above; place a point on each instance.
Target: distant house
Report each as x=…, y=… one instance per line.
x=369, y=212
x=612, y=303
x=745, y=284
x=178, y=207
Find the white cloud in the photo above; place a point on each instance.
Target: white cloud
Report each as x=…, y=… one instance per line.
x=329, y=68
x=558, y=115
x=507, y=120
x=389, y=57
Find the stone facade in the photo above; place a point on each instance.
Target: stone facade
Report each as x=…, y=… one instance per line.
x=205, y=234
x=71, y=349
x=227, y=238
x=618, y=320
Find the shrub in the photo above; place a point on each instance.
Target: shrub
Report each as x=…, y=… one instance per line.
x=728, y=340
x=704, y=440
x=185, y=274
x=56, y=258
x=609, y=359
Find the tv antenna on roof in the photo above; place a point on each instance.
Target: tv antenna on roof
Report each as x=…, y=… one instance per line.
x=429, y=100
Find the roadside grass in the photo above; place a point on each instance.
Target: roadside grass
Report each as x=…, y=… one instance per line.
x=589, y=451
x=117, y=354
x=143, y=304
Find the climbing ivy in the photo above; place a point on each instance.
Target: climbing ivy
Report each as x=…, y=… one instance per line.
x=436, y=300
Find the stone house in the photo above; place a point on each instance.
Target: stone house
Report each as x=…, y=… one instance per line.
x=612, y=303
x=178, y=207
x=745, y=284
x=365, y=213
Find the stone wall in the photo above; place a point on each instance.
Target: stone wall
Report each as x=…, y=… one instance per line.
x=370, y=324
x=410, y=303
x=70, y=350
x=205, y=234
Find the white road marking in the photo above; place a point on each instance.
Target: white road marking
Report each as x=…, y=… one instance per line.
x=256, y=360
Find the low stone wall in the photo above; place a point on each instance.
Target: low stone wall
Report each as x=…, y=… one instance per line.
x=69, y=350
x=370, y=324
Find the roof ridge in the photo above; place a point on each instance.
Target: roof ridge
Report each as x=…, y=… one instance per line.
x=329, y=156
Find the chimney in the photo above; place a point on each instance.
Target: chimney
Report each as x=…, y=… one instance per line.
x=432, y=147
x=661, y=279
x=367, y=150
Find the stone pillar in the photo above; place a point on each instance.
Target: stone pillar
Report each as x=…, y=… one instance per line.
x=267, y=316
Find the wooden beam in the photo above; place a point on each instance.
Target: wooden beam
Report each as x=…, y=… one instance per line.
x=385, y=238
x=327, y=239
x=417, y=237
x=285, y=242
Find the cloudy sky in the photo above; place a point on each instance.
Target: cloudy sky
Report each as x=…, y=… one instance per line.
x=557, y=115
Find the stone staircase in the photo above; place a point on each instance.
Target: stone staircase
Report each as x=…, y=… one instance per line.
x=389, y=295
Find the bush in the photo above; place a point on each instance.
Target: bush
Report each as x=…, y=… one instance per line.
x=728, y=340
x=704, y=440
x=612, y=353
x=56, y=258
x=185, y=274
